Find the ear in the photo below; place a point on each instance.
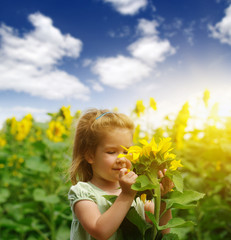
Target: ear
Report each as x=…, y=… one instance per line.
x=89, y=158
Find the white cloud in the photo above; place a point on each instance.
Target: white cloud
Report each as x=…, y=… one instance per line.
x=128, y=7
x=146, y=27
x=189, y=33
x=40, y=114
x=29, y=63
x=151, y=50
x=120, y=33
x=96, y=86
x=87, y=62
x=120, y=72
x=222, y=30
x=26, y=110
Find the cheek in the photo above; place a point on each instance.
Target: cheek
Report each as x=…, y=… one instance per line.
x=110, y=159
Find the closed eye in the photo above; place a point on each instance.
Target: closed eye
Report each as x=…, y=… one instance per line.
x=110, y=152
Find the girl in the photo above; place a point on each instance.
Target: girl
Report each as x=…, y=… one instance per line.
x=95, y=166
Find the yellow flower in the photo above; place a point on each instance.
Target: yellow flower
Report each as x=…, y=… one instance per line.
x=2, y=165
x=168, y=155
x=20, y=160
x=28, y=117
x=20, y=129
x=2, y=142
x=143, y=197
x=151, y=147
x=38, y=134
x=13, y=123
x=175, y=164
x=14, y=157
x=53, y=164
x=180, y=125
x=165, y=144
x=115, y=109
x=153, y=104
x=10, y=164
x=218, y=165
x=136, y=133
x=14, y=173
x=149, y=150
x=206, y=97
x=139, y=107
x=55, y=131
x=77, y=114
x=66, y=115
x=134, y=152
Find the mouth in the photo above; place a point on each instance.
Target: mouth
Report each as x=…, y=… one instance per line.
x=116, y=169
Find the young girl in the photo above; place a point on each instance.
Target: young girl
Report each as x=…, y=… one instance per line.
x=98, y=171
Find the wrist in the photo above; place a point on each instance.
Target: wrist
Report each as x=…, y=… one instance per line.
x=128, y=194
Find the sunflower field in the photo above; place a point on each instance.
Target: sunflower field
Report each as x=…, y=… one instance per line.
x=35, y=157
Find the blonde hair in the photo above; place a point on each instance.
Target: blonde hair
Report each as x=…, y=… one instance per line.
x=88, y=134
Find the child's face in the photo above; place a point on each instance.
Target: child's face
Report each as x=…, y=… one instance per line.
x=105, y=164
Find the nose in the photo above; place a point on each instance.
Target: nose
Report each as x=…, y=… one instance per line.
x=121, y=160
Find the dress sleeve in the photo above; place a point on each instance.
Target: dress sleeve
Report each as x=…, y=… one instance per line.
x=80, y=191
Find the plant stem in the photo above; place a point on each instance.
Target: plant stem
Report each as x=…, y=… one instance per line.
x=157, y=200
x=198, y=229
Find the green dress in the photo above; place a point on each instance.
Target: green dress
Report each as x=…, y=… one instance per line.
x=88, y=191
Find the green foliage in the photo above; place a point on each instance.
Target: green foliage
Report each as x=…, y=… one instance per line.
x=33, y=186
x=143, y=183
x=182, y=200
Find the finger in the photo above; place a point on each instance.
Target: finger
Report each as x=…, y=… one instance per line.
x=165, y=170
x=128, y=164
x=130, y=174
x=133, y=178
x=160, y=174
x=122, y=172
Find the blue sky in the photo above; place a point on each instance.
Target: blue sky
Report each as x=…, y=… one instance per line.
x=111, y=53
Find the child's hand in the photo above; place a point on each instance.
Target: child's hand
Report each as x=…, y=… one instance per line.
x=166, y=184
x=126, y=179
x=128, y=164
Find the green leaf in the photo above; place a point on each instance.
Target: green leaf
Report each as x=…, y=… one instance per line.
x=4, y=222
x=63, y=232
x=35, y=164
x=152, y=218
x=55, y=146
x=181, y=200
x=39, y=145
x=137, y=220
x=40, y=196
x=176, y=222
x=143, y=183
x=4, y=194
x=178, y=181
x=180, y=206
x=133, y=216
x=170, y=236
x=14, y=225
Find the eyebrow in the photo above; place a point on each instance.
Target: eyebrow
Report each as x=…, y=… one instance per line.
x=115, y=146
